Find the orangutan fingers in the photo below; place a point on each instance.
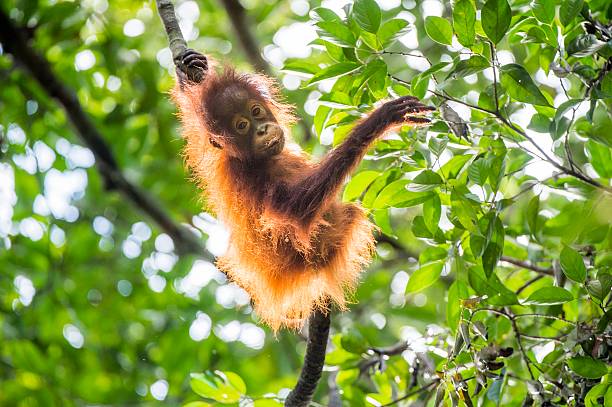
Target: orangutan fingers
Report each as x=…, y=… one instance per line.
x=416, y=120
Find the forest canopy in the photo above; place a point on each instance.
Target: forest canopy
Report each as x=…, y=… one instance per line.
x=492, y=276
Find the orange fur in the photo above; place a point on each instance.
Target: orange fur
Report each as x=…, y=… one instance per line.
x=287, y=267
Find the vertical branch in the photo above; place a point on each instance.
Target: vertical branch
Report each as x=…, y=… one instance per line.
x=176, y=42
x=318, y=332
x=494, y=65
x=241, y=28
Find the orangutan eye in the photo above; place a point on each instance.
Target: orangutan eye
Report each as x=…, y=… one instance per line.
x=241, y=125
x=257, y=110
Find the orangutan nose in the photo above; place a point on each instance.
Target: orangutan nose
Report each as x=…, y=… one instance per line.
x=262, y=129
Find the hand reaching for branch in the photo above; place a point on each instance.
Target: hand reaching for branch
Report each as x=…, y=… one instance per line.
x=191, y=66
x=403, y=110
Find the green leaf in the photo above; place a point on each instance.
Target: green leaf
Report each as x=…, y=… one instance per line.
x=494, y=390
x=432, y=210
x=235, y=381
x=572, y=265
x=367, y=14
x=358, y=184
x=218, y=386
x=336, y=33
x=427, y=177
x=375, y=73
x=425, y=276
x=387, y=193
x=496, y=170
x=601, y=158
x=353, y=341
x=456, y=292
x=519, y=85
x=478, y=171
x=536, y=35
x=324, y=14
x=320, y=118
x=335, y=70
x=379, y=183
x=371, y=40
x=301, y=66
x=591, y=398
x=495, y=246
x=432, y=253
x=569, y=10
x=470, y=66
x=543, y=10
x=336, y=100
x=496, y=16
x=492, y=287
x=539, y=123
x=464, y=20
x=197, y=404
x=396, y=195
x=464, y=211
x=391, y=30
x=549, y=296
x=588, y=367
x=383, y=221
x=439, y=30
x=533, y=210
x=451, y=169
x=420, y=229
x=437, y=145
x=434, y=68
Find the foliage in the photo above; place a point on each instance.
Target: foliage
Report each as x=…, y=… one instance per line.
x=493, y=278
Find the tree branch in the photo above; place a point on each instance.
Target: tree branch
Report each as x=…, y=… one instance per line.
x=16, y=42
x=528, y=266
x=176, y=42
x=318, y=332
x=420, y=390
x=242, y=29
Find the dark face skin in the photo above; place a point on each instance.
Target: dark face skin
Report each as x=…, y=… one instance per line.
x=252, y=127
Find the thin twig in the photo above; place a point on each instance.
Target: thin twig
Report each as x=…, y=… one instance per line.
x=494, y=59
x=335, y=399
x=413, y=393
x=528, y=266
x=531, y=315
x=519, y=340
x=528, y=283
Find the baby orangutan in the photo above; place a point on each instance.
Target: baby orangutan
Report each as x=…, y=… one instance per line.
x=294, y=246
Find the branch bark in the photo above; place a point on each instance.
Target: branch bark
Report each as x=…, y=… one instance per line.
x=528, y=266
x=318, y=332
x=176, y=42
x=15, y=41
x=242, y=29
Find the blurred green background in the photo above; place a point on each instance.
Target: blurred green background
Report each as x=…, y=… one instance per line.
x=100, y=306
